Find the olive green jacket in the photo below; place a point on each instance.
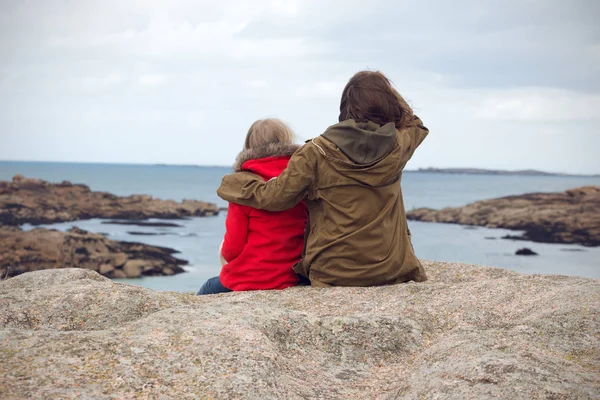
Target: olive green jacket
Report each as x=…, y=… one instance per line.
x=350, y=178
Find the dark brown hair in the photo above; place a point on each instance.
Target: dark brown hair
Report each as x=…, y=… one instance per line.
x=369, y=96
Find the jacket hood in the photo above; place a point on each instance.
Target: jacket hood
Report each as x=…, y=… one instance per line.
x=362, y=142
x=267, y=161
x=365, y=152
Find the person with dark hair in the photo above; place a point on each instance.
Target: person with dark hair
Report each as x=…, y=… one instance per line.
x=350, y=176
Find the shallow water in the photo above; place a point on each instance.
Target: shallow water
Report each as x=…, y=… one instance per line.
x=199, y=239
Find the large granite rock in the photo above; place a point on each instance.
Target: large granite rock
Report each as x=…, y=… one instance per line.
x=468, y=332
x=24, y=251
x=39, y=202
x=568, y=217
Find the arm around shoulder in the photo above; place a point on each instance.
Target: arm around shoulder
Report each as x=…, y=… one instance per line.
x=278, y=194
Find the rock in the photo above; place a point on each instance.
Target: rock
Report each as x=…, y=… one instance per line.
x=106, y=269
x=468, y=332
x=137, y=233
x=119, y=274
x=525, y=252
x=23, y=251
x=144, y=223
x=513, y=237
x=168, y=271
x=119, y=259
x=133, y=268
x=39, y=202
x=77, y=230
x=568, y=217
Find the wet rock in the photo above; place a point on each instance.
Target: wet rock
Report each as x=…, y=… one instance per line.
x=514, y=237
x=567, y=217
x=24, y=251
x=137, y=233
x=145, y=223
x=39, y=202
x=168, y=271
x=468, y=332
x=525, y=252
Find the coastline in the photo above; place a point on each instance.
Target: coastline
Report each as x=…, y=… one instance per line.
x=197, y=238
x=567, y=217
x=483, y=171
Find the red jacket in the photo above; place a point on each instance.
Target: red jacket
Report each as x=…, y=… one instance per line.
x=261, y=247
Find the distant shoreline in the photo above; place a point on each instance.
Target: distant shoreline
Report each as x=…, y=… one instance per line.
x=456, y=171
x=482, y=171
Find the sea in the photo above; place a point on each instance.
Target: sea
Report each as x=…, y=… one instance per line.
x=197, y=239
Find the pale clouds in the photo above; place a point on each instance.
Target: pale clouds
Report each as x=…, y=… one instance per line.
x=539, y=104
x=181, y=81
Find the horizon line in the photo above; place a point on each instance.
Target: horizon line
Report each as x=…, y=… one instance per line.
x=420, y=169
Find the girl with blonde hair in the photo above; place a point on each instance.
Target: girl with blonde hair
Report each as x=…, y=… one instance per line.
x=261, y=247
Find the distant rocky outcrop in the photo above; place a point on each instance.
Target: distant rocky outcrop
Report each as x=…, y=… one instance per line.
x=468, y=332
x=24, y=251
x=481, y=171
x=568, y=217
x=39, y=202
x=525, y=251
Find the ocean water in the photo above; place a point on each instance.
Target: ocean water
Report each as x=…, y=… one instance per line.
x=197, y=239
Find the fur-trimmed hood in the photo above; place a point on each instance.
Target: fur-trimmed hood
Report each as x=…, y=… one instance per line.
x=271, y=150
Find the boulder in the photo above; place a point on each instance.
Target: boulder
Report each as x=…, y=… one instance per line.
x=119, y=259
x=133, y=268
x=525, y=251
x=118, y=274
x=467, y=332
x=105, y=269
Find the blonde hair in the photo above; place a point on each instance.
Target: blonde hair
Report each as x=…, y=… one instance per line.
x=267, y=131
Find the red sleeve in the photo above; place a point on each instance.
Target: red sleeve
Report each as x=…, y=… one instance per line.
x=236, y=234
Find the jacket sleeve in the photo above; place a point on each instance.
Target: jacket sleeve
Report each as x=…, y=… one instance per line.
x=412, y=134
x=236, y=235
x=277, y=194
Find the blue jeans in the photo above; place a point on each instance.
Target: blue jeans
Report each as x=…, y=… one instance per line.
x=302, y=280
x=213, y=286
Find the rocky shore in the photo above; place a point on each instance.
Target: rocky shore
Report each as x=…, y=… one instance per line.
x=468, y=332
x=572, y=216
x=37, y=202
x=39, y=249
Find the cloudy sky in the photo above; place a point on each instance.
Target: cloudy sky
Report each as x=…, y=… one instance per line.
x=501, y=84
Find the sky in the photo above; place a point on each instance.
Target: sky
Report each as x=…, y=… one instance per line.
x=506, y=84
